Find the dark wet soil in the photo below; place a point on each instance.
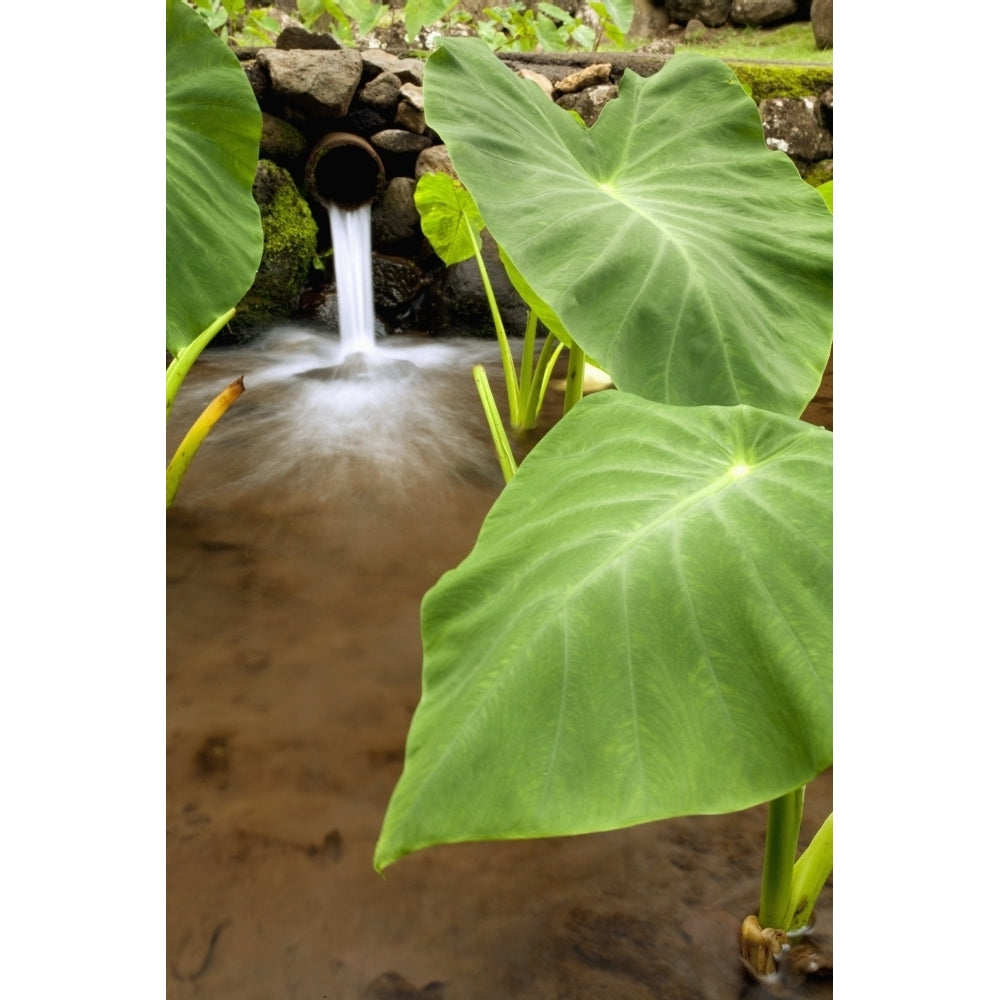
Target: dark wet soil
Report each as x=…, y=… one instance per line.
x=294, y=582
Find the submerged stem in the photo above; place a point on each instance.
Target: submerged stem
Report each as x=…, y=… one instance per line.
x=574, y=376
x=495, y=422
x=784, y=818
x=810, y=874
x=178, y=465
x=181, y=364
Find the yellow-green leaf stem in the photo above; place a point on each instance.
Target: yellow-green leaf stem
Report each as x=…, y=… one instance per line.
x=574, y=376
x=187, y=356
x=784, y=818
x=495, y=422
x=199, y=429
x=809, y=876
x=528, y=357
x=532, y=404
x=505, y=355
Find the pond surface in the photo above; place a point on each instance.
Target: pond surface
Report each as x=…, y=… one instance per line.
x=314, y=518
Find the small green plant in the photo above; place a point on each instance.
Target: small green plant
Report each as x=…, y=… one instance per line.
x=453, y=226
x=350, y=20
x=230, y=19
x=214, y=234
x=523, y=28
x=643, y=628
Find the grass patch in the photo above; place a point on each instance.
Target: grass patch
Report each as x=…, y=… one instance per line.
x=787, y=43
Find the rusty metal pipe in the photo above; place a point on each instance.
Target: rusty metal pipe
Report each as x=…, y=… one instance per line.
x=343, y=170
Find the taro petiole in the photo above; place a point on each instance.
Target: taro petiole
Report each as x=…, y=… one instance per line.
x=452, y=224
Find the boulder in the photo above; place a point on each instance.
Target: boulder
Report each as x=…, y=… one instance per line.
x=289, y=250
x=382, y=94
x=410, y=110
x=281, y=142
x=296, y=37
x=395, y=220
x=795, y=127
x=434, y=160
x=320, y=82
x=821, y=17
x=712, y=13
x=755, y=13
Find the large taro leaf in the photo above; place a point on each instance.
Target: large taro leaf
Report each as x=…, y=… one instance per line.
x=689, y=260
x=642, y=630
x=214, y=236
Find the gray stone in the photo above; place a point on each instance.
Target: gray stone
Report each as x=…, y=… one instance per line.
x=755, y=13
x=695, y=30
x=396, y=281
x=588, y=104
x=382, y=93
x=320, y=82
x=713, y=13
x=410, y=110
x=395, y=219
x=456, y=303
x=280, y=142
x=795, y=127
x=434, y=160
x=826, y=109
x=297, y=37
x=399, y=149
x=821, y=17
x=398, y=140
x=379, y=61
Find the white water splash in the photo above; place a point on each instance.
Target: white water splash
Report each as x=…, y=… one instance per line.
x=305, y=428
x=351, y=231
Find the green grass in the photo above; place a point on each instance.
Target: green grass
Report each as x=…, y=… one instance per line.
x=788, y=43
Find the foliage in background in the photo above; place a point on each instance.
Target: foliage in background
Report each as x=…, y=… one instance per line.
x=230, y=19
x=515, y=26
x=350, y=20
x=522, y=28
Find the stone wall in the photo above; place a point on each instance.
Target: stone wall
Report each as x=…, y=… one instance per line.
x=307, y=86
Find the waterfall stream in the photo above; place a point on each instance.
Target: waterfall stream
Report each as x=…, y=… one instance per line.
x=351, y=232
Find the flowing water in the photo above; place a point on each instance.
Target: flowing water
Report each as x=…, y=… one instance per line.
x=351, y=233
x=317, y=513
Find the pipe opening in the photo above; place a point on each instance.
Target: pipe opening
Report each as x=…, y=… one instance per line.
x=343, y=170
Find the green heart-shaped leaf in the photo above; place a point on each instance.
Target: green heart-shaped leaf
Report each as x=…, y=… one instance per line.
x=643, y=630
x=687, y=258
x=214, y=235
x=448, y=217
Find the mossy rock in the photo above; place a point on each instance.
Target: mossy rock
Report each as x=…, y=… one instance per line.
x=289, y=249
x=819, y=173
x=766, y=81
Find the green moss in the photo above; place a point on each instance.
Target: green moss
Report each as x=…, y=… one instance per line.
x=289, y=250
x=765, y=81
x=819, y=173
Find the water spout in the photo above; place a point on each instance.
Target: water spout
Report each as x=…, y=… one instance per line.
x=344, y=171
x=344, y=174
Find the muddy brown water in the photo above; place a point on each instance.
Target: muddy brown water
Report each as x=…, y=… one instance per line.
x=309, y=527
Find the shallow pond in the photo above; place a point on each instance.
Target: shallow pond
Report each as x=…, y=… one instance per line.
x=314, y=518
